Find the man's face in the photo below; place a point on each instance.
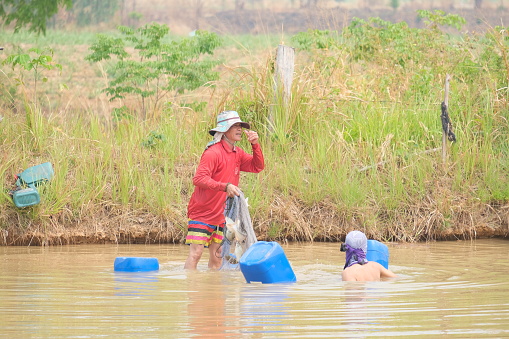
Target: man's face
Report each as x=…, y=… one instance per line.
x=234, y=133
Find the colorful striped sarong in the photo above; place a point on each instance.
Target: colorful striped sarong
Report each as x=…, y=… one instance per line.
x=203, y=234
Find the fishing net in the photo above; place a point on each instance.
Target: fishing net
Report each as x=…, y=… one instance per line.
x=235, y=244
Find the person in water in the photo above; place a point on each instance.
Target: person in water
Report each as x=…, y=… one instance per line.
x=216, y=178
x=357, y=267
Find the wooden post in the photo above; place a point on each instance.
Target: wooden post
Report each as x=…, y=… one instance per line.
x=444, y=132
x=285, y=59
x=283, y=77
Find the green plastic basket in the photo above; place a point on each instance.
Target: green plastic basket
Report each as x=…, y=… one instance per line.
x=26, y=197
x=35, y=175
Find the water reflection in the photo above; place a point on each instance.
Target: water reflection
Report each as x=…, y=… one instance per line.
x=206, y=304
x=356, y=303
x=135, y=283
x=365, y=307
x=264, y=308
x=452, y=289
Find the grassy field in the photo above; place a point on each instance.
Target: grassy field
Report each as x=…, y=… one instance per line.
x=358, y=146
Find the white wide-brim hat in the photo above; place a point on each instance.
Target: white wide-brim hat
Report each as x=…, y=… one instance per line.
x=225, y=120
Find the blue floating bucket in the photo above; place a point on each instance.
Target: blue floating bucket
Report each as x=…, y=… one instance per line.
x=378, y=252
x=136, y=264
x=266, y=262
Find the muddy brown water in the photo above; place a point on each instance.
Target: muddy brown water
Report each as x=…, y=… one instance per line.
x=444, y=289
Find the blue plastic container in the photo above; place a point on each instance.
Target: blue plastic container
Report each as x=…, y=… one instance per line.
x=35, y=175
x=378, y=252
x=136, y=264
x=266, y=262
x=26, y=197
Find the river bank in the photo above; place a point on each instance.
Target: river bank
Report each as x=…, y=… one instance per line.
x=296, y=222
x=354, y=148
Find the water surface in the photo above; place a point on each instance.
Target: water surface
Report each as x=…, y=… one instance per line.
x=450, y=289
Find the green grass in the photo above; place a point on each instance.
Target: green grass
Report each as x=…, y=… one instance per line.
x=358, y=145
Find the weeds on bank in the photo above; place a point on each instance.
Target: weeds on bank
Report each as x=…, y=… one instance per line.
x=357, y=146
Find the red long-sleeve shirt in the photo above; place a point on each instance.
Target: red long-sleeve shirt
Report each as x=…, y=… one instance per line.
x=218, y=166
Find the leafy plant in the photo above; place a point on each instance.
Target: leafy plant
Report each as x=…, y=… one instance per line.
x=156, y=68
x=153, y=139
x=315, y=39
x=440, y=18
x=495, y=54
x=121, y=113
x=376, y=38
x=35, y=60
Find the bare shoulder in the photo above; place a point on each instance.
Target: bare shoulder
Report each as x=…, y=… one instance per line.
x=371, y=271
x=359, y=273
x=347, y=275
x=384, y=272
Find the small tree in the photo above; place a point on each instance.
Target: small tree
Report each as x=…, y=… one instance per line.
x=35, y=60
x=156, y=68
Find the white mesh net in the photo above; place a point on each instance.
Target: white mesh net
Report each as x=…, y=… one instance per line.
x=238, y=233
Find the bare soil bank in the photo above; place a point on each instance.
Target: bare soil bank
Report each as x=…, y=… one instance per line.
x=295, y=221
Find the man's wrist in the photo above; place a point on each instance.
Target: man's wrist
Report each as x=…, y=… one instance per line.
x=226, y=187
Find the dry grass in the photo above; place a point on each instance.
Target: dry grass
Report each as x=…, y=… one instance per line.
x=289, y=220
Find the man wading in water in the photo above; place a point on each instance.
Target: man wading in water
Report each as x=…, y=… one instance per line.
x=357, y=267
x=216, y=178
